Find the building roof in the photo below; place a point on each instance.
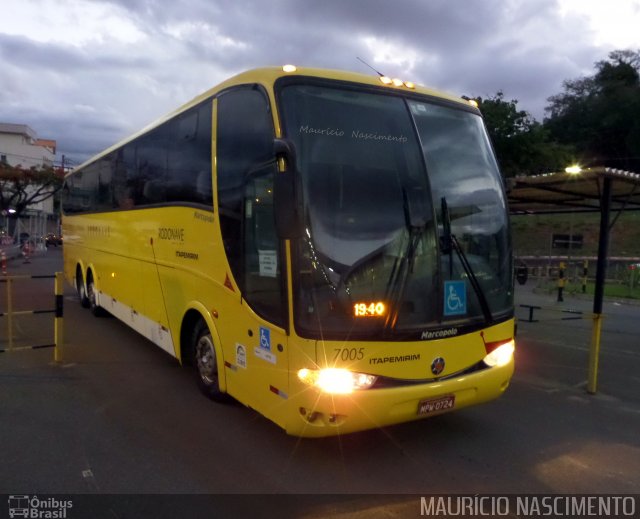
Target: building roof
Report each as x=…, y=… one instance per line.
x=19, y=129
x=569, y=193
x=47, y=143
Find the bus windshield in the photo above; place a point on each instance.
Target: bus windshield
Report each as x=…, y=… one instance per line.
x=374, y=169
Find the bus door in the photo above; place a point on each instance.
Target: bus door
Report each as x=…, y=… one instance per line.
x=245, y=170
x=263, y=289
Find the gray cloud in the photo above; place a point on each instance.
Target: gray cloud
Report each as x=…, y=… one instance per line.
x=89, y=95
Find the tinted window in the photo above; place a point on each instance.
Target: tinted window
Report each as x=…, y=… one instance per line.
x=170, y=164
x=189, y=157
x=463, y=171
x=245, y=194
x=148, y=185
x=123, y=171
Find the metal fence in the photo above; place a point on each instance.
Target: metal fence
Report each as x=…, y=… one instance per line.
x=57, y=311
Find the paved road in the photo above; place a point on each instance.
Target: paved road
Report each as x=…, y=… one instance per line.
x=120, y=416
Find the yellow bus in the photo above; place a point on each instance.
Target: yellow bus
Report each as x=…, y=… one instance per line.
x=330, y=249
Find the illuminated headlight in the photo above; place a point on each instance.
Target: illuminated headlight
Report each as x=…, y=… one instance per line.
x=501, y=356
x=335, y=380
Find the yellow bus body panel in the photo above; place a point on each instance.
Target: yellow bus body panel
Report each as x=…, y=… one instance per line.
x=150, y=278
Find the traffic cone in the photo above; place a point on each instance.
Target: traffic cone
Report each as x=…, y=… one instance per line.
x=4, y=263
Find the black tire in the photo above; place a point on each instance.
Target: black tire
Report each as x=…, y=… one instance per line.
x=82, y=291
x=205, y=363
x=96, y=310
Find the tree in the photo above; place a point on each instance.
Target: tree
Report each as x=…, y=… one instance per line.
x=600, y=114
x=522, y=145
x=21, y=188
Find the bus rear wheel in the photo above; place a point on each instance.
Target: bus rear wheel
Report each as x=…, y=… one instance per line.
x=82, y=291
x=205, y=361
x=96, y=310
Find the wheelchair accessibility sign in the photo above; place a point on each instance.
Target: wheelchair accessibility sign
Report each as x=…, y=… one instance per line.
x=265, y=338
x=455, y=298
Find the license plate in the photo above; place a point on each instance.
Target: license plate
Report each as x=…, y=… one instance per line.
x=436, y=404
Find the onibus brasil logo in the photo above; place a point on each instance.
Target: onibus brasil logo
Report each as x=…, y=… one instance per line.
x=36, y=508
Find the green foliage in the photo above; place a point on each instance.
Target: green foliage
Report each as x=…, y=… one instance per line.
x=21, y=188
x=595, y=121
x=522, y=145
x=600, y=114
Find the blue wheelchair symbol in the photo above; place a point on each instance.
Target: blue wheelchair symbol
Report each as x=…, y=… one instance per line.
x=265, y=338
x=455, y=298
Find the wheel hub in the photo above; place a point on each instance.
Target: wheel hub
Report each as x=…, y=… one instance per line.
x=206, y=359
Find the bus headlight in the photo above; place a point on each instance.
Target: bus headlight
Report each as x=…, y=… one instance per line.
x=501, y=356
x=336, y=381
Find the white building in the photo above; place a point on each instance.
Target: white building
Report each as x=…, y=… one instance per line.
x=20, y=146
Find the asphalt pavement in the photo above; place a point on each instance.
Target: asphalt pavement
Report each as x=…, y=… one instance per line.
x=119, y=416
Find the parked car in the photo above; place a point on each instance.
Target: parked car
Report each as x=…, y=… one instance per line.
x=52, y=239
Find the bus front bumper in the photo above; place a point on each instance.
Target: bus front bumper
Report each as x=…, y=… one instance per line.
x=316, y=414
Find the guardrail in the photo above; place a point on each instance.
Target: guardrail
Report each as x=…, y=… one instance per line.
x=58, y=310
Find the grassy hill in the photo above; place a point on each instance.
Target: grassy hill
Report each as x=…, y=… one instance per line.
x=532, y=234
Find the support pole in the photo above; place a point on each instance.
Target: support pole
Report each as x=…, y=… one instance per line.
x=561, y=280
x=9, y=315
x=58, y=328
x=603, y=245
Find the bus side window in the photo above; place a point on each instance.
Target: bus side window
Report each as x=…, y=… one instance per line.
x=245, y=193
x=189, y=157
x=147, y=186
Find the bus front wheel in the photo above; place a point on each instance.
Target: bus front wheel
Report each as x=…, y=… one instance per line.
x=206, y=363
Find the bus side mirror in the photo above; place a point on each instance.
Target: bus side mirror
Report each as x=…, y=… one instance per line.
x=287, y=192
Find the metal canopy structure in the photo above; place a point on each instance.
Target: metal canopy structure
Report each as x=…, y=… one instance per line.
x=570, y=193
x=591, y=190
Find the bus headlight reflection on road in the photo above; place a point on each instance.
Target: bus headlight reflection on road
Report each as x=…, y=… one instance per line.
x=336, y=381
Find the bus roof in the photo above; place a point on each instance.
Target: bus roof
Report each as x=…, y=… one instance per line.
x=267, y=76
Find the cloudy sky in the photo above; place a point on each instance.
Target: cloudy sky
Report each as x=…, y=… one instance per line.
x=89, y=72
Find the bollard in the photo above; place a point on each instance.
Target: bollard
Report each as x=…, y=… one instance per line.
x=594, y=354
x=4, y=263
x=58, y=329
x=561, y=280
x=9, y=315
x=585, y=273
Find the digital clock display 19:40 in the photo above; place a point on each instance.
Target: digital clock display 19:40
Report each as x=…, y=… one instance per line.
x=370, y=309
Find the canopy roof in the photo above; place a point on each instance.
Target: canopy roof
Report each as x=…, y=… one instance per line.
x=592, y=190
x=577, y=192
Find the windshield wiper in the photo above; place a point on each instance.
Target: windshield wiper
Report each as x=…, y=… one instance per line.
x=416, y=222
x=449, y=242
